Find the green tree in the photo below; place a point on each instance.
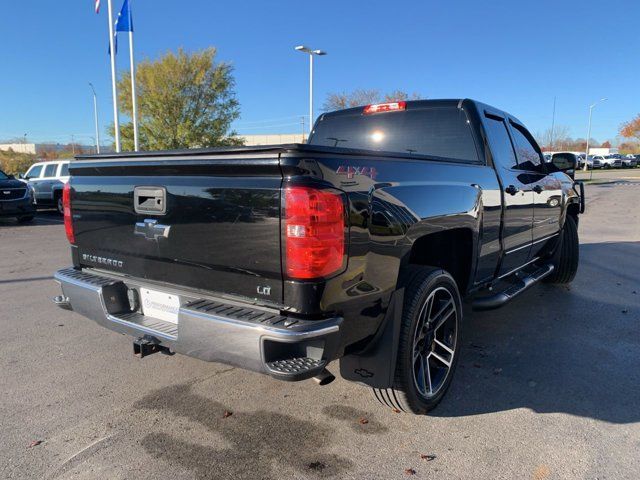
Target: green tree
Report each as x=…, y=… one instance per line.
x=14, y=163
x=184, y=101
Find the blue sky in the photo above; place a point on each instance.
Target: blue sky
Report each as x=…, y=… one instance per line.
x=514, y=55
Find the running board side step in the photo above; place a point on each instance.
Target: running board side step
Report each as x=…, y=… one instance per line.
x=521, y=284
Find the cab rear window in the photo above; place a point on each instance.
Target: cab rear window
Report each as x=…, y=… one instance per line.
x=436, y=131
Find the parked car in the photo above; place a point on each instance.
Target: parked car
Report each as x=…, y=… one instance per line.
x=48, y=180
x=629, y=161
x=16, y=199
x=611, y=161
x=606, y=161
x=361, y=252
x=594, y=161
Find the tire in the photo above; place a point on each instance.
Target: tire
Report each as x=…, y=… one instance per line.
x=432, y=301
x=567, y=255
x=27, y=219
x=59, y=204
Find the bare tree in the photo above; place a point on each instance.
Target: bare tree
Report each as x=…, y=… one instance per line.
x=555, y=140
x=359, y=97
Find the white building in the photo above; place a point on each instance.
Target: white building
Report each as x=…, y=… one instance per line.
x=602, y=150
x=273, y=138
x=19, y=147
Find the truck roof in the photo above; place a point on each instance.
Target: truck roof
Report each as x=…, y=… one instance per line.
x=299, y=147
x=444, y=102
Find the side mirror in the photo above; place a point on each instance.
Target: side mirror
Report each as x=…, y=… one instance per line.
x=21, y=176
x=564, y=162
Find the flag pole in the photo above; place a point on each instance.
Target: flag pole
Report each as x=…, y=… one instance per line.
x=114, y=88
x=134, y=105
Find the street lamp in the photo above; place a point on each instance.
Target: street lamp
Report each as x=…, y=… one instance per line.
x=311, y=53
x=586, y=156
x=95, y=117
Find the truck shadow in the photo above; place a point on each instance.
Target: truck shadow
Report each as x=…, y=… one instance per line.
x=255, y=444
x=571, y=349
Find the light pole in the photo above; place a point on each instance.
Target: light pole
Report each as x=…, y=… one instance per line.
x=311, y=53
x=586, y=156
x=95, y=117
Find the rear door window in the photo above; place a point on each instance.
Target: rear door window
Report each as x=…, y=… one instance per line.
x=500, y=143
x=436, y=131
x=529, y=157
x=50, y=170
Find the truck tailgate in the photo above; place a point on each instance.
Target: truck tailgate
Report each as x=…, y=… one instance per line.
x=218, y=230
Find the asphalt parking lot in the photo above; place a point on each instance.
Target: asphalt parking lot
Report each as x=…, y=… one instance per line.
x=547, y=387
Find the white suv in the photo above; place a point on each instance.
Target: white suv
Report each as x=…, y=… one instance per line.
x=47, y=180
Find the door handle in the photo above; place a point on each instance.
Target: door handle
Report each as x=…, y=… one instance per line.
x=538, y=189
x=512, y=189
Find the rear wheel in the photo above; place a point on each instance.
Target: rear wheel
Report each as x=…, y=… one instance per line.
x=565, y=259
x=430, y=340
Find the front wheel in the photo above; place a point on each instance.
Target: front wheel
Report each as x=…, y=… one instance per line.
x=430, y=340
x=60, y=205
x=565, y=259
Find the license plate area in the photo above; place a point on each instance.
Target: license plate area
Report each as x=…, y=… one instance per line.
x=160, y=305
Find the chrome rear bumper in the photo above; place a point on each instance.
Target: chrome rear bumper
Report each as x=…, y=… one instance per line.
x=215, y=330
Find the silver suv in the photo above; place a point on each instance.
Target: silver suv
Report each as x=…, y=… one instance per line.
x=47, y=180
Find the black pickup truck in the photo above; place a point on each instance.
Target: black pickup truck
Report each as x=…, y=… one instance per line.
x=358, y=246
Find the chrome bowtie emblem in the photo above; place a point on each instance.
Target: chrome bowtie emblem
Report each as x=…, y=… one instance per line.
x=6, y=192
x=152, y=230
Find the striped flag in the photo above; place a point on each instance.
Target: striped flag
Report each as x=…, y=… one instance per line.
x=97, y=6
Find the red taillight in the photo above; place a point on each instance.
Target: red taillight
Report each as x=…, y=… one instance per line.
x=66, y=204
x=385, y=107
x=314, y=232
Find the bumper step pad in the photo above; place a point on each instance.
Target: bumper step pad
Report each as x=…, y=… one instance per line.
x=296, y=368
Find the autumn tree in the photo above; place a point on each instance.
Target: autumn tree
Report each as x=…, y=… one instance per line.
x=629, y=147
x=359, y=97
x=631, y=129
x=184, y=101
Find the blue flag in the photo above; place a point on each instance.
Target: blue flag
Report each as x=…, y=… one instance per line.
x=124, y=22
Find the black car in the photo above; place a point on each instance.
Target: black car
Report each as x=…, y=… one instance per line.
x=16, y=198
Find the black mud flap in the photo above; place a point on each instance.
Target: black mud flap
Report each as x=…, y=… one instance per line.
x=376, y=365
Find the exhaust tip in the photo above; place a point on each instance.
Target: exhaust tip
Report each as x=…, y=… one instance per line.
x=325, y=377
